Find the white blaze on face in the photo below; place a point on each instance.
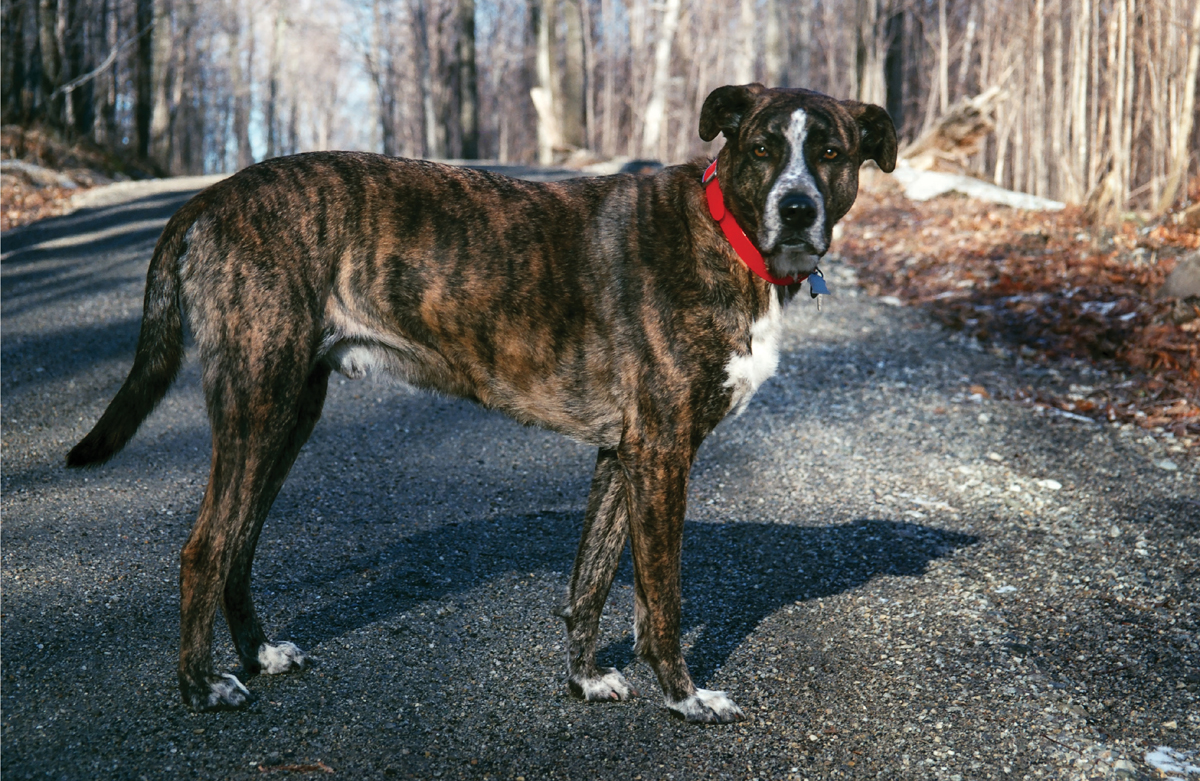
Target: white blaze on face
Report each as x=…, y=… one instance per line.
x=796, y=177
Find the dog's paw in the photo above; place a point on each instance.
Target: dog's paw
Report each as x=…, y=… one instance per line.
x=610, y=685
x=707, y=707
x=282, y=657
x=224, y=692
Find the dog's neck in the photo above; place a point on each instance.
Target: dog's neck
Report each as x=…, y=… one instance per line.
x=741, y=243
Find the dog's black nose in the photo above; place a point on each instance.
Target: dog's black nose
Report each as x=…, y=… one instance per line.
x=797, y=210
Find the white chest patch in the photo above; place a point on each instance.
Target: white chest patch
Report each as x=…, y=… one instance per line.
x=744, y=373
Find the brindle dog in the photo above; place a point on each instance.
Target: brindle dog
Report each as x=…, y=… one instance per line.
x=610, y=309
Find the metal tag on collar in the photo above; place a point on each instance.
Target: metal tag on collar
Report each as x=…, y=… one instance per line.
x=816, y=284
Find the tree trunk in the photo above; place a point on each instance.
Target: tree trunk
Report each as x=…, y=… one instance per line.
x=294, y=129
x=1058, y=162
x=589, y=62
x=12, y=52
x=1180, y=142
x=1081, y=36
x=186, y=120
x=81, y=99
x=893, y=69
x=545, y=99
x=655, y=132
x=775, y=48
x=1038, y=145
x=573, y=113
x=379, y=64
x=637, y=93
x=744, y=74
x=964, y=64
x=608, y=141
x=434, y=139
x=108, y=128
x=801, y=58
x=943, y=70
x=468, y=89
x=239, y=77
x=868, y=62
x=164, y=74
x=143, y=109
x=51, y=62
x=271, y=109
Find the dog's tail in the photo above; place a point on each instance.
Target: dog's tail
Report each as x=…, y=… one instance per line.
x=159, y=349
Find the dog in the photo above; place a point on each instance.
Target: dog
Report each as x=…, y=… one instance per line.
x=631, y=313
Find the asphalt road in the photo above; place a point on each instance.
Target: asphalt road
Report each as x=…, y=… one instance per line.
x=894, y=579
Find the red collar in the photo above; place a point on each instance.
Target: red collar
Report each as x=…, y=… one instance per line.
x=742, y=245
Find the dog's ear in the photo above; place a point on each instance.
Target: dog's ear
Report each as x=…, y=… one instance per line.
x=878, y=139
x=724, y=108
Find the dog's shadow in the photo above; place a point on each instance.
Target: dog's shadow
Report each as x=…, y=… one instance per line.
x=734, y=574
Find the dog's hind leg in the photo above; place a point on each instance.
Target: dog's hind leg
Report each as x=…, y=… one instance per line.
x=257, y=654
x=657, y=499
x=605, y=529
x=253, y=401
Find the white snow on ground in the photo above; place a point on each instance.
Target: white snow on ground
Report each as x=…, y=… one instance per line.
x=923, y=185
x=1173, y=763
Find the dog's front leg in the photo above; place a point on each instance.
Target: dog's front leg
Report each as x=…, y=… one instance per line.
x=605, y=529
x=657, y=486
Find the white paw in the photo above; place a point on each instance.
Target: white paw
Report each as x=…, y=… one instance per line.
x=283, y=657
x=227, y=692
x=607, y=687
x=708, y=707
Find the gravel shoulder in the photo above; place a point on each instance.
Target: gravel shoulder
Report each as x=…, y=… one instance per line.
x=893, y=575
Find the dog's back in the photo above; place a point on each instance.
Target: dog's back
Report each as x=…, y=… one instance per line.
x=515, y=294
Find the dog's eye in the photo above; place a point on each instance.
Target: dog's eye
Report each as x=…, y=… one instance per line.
x=760, y=151
x=830, y=153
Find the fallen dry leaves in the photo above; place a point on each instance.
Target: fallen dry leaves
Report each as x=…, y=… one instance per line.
x=22, y=203
x=1045, y=283
x=25, y=199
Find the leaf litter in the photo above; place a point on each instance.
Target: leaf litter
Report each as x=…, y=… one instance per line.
x=1050, y=285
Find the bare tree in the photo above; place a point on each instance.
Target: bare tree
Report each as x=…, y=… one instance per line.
x=271, y=105
x=747, y=50
x=162, y=73
x=774, y=46
x=545, y=93
x=144, y=76
x=573, y=109
x=654, y=134
x=50, y=61
x=15, y=107
x=468, y=87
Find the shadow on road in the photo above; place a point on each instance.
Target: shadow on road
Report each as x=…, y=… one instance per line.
x=53, y=261
x=746, y=572
x=53, y=356
x=77, y=226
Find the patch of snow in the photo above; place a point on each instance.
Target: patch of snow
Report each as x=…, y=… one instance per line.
x=923, y=185
x=1173, y=763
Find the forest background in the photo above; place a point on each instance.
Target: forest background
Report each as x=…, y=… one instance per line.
x=1091, y=100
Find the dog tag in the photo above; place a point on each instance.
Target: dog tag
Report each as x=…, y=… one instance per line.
x=816, y=284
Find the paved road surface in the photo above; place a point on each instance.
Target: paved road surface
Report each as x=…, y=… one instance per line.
x=893, y=579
